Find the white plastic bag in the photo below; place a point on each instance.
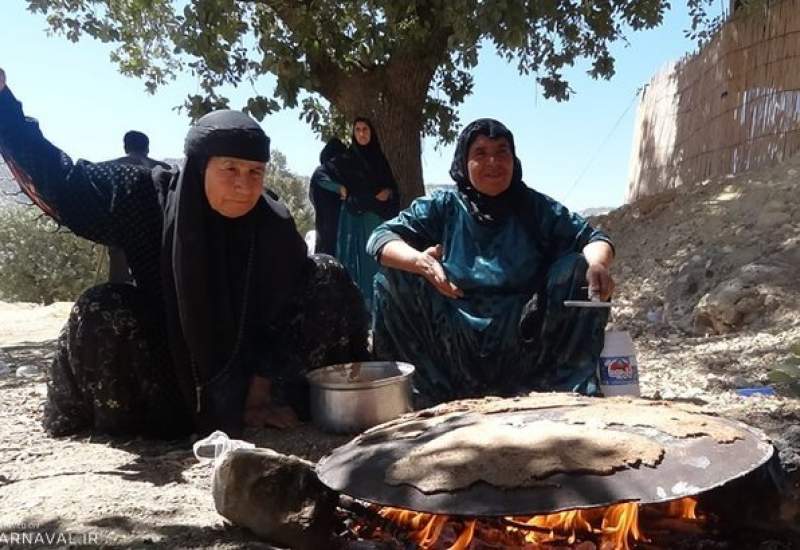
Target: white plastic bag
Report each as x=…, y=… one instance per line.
x=216, y=446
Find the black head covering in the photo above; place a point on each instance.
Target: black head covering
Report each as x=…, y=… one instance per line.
x=224, y=278
x=484, y=208
x=332, y=149
x=227, y=133
x=372, y=150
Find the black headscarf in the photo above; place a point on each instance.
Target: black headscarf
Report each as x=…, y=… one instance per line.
x=332, y=149
x=486, y=209
x=371, y=154
x=224, y=278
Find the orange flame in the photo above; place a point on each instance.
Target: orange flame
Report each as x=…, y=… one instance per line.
x=465, y=538
x=616, y=526
x=685, y=508
x=621, y=521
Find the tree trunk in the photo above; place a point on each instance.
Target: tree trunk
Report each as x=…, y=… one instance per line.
x=401, y=137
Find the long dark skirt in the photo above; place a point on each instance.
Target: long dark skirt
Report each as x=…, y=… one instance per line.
x=113, y=372
x=533, y=343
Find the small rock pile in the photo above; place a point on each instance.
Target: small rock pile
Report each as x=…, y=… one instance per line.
x=713, y=258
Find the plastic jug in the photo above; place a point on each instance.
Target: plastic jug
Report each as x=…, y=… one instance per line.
x=617, y=368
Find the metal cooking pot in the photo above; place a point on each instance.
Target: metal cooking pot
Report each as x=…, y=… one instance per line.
x=351, y=397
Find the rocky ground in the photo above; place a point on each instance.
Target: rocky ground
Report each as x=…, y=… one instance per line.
x=92, y=491
x=708, y=288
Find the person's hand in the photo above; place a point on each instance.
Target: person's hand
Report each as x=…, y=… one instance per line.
x=343, y=192
x=428, y=264
x=2, y=79
x=384, y=195
x=600, y=282
x=260, y=411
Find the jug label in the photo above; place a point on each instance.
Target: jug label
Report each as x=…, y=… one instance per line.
x=618, y=371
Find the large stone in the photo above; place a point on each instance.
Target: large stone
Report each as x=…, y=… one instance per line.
x=751, y=295
x=277, y=497
x=727, y=307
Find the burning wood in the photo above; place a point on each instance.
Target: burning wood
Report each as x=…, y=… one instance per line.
x=614, y=527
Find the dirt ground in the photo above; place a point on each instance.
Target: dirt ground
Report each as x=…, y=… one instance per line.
x=95, y=491
x=135, y=493
x=708, y=289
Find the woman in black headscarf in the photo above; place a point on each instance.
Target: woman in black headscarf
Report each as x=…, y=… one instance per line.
x=326, y=197
x=361, y=176
x=212, y=335
x=476, y=278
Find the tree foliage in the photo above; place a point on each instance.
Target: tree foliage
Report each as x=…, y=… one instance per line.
x=407, y=64
x=43, y=264
x=292, y=191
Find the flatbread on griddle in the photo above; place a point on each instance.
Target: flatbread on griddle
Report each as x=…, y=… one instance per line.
x=669, y=419
x=511, y=455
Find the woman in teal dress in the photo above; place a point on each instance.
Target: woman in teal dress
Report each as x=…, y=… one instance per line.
x=474, y=282
x=363, y=179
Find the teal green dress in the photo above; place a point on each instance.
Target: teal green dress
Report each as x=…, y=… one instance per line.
x=510, y=332
x=351, y=242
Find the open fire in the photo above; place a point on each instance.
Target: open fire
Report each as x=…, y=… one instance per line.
x=618, y=526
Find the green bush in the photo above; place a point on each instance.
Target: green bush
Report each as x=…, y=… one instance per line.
x=292, y=190
x=41, y=263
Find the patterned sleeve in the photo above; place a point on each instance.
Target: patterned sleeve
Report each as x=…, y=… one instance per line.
x=83, y=196
x=420, y=225
x=562, y=231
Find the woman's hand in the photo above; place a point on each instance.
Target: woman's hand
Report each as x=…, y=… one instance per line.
x=599, y=255
x=343, y=192
x=600, y=282
x=2, y=80
x=428, y=264
x=260, y=411
x=398, y=254
x=384, y=195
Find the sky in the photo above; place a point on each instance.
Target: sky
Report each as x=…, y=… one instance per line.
x=575, y=151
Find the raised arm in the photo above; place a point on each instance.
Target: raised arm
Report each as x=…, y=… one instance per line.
x=82, y=196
